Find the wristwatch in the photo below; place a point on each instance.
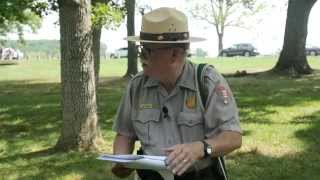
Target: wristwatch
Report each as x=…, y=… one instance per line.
x=208, y=149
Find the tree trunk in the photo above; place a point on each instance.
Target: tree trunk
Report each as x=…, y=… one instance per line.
x=220, y=31
x=220, y=38
x=96, y=36
x=293, y=59
x=132, y=51
x=80, y=130
x=96, y=33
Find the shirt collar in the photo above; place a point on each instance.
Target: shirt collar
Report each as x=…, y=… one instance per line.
x=186, y=79
x=151, y=82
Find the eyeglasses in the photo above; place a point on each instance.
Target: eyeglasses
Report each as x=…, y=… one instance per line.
x=146, y=52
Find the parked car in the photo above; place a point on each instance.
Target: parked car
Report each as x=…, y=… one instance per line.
x=242, y=49
x=120, y=53
x=312, y=51
x=10, y=54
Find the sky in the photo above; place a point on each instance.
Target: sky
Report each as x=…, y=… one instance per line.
x=267, y=34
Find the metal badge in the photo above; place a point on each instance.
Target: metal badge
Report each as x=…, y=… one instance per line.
x=191, y=102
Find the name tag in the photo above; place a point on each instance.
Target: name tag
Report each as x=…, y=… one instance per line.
x=146, y=106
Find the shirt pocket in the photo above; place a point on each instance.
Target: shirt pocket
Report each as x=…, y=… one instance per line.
x=146, y=125
x=191, y=126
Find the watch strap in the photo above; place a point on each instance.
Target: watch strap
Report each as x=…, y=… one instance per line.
x=205, y=148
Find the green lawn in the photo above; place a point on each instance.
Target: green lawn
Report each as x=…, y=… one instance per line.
x=280, y=117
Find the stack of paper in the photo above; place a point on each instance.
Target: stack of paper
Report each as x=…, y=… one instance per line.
x=156, y=163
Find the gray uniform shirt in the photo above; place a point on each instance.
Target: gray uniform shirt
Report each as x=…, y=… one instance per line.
x=140, y=114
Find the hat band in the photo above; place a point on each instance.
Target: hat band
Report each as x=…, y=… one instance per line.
x=164, y=36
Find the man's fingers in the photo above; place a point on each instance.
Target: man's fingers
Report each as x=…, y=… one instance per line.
x=170, y=149
x=179, y=165
x=179, y=159
x=173, y=155
x=174, y=162
x=121, y=171
x=184, y=168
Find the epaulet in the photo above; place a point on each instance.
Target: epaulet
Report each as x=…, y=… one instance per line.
x=201, y=68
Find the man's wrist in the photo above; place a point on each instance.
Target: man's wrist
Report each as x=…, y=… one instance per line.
x=201, y=149
x=207, y=149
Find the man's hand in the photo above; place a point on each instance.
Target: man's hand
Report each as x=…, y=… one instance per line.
x=121, y=171
x=183, y=156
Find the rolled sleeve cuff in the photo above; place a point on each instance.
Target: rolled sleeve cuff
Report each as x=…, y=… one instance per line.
x=124, y=133
x=231, y=125
x=228, y=127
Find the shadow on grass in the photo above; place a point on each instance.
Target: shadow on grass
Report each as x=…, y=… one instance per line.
x=48, y=164
x=257, y=96
x=304, y=164
x=8, y=63
x=30, y=112
x=30, y=120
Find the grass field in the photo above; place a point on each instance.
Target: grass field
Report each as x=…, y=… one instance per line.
x=280, y=117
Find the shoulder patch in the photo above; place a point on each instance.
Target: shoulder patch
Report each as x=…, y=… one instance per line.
x=222, y=91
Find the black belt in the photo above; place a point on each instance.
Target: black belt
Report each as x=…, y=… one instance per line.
x=202, y=174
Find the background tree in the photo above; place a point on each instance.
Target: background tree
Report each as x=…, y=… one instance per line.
x=293, y=57
x=80, y=128
x=132, y=50
x=224, y=13
x=107, y=14
x=15, y=15
x=144, y=8
x=79, y=34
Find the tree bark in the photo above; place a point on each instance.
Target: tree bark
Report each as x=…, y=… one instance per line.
x=132, y=51
x=96, y=33
x=80, y=130
x=292, y=58
x=220, y=36
x=96, y=36
x=220, y=39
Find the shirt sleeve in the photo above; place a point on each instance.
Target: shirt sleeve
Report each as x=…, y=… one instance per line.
x=122, y=122
x=221, y=112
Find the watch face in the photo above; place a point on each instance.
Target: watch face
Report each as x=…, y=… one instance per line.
x=209, y=150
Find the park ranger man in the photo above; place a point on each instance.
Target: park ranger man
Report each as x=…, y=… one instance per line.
x=162, y=105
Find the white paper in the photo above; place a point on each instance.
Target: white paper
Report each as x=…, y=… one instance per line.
x=119, y=158
x=156, y=163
